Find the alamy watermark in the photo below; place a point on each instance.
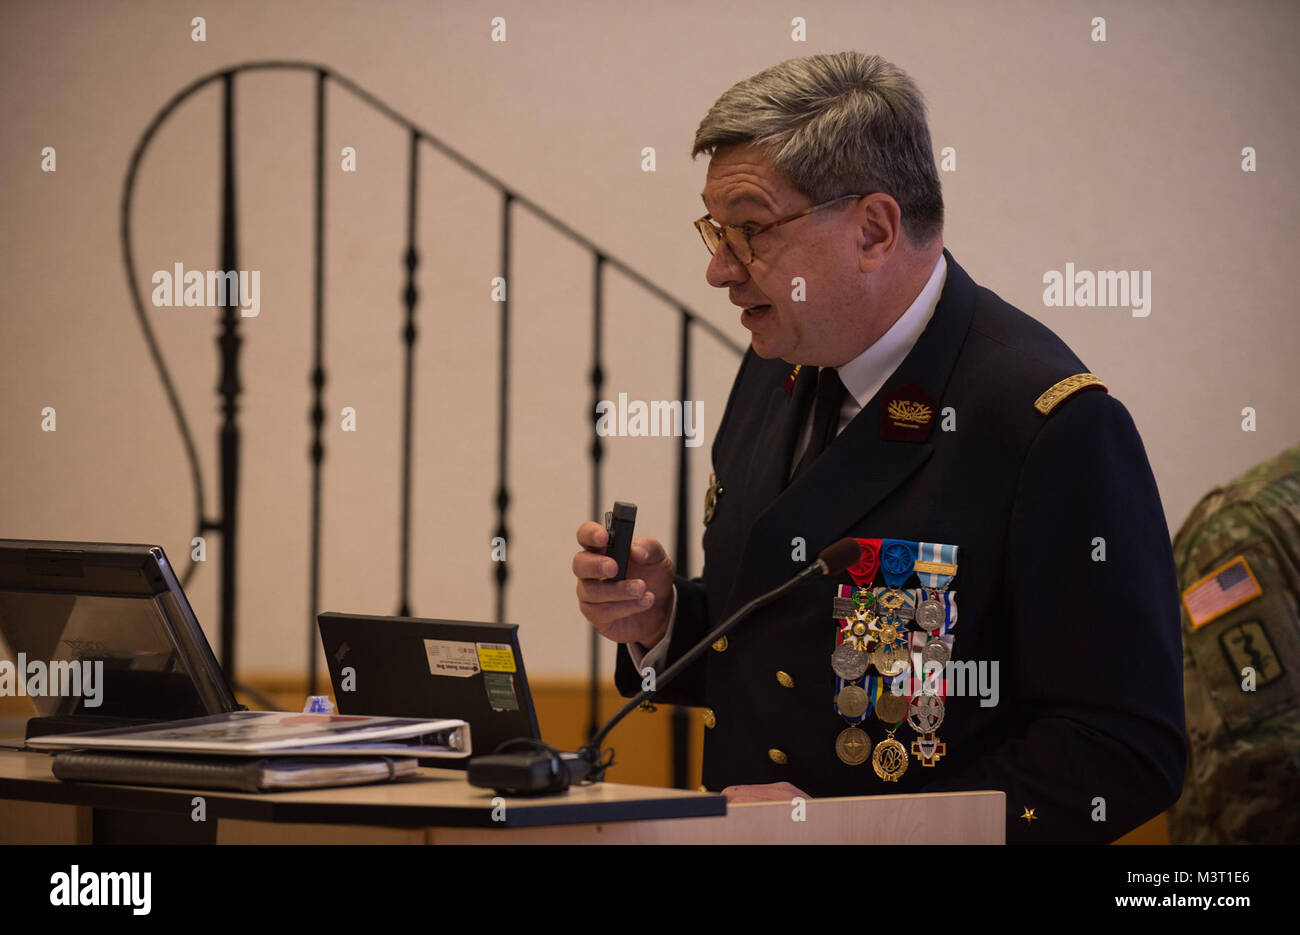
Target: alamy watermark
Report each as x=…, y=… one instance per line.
x=212, y=288
x=1106, y=288
x=957, y=678
x=37, y=678
x=658, y=417
x=90, y=888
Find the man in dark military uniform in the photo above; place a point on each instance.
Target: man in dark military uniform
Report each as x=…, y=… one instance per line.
x=1238, y=560
x=987, y=470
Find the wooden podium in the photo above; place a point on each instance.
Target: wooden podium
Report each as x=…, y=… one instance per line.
x=439, y=807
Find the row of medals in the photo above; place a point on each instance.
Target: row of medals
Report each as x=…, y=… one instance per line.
x=880, y=617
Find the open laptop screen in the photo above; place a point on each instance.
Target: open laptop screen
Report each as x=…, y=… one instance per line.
x=103, y=630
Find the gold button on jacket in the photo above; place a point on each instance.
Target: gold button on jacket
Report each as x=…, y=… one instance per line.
x=778, y=756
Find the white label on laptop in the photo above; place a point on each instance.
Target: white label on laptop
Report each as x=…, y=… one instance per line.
x=449, y=657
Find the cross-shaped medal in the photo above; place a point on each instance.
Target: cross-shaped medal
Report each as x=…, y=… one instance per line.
x=928, y=748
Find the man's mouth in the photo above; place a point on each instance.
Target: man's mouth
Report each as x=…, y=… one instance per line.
x=754, y=313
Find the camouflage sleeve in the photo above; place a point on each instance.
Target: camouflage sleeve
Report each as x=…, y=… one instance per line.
x=1241, y=663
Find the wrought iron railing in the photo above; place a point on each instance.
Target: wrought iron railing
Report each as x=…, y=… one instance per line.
x=225, y=521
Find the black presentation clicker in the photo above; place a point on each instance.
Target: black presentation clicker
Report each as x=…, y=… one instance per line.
x=619, y=523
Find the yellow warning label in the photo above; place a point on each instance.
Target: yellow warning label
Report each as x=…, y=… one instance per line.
x=496, y=657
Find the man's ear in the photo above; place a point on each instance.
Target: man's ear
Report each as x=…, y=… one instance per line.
x=879, y=225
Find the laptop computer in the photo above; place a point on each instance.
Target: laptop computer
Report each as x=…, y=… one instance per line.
x=99, y=635
x=413, y=667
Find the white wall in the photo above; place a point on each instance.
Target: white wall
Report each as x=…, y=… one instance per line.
x=1115, y=155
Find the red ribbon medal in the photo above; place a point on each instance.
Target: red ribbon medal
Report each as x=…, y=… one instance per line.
x=864, y=572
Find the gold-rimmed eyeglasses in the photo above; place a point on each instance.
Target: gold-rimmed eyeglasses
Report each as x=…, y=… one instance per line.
x=738, y=238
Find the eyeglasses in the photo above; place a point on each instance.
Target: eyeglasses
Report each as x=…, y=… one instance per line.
x=738, y=238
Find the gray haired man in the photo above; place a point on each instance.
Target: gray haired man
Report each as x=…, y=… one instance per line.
x=888, y=397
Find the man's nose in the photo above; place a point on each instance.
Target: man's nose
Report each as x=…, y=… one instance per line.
x=724, y=269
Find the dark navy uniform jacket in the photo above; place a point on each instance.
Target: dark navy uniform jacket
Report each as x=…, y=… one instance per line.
x=1089, y=716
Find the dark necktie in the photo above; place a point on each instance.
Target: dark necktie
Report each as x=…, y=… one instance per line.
x=826, y=417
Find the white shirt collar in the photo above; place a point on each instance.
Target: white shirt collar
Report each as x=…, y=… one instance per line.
x=864, y=375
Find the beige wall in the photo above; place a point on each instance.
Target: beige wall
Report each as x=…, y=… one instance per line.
x=1115, y=155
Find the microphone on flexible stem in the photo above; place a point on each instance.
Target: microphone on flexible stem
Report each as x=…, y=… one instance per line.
x=545, y=770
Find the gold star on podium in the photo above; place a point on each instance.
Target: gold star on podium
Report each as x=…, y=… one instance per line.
x=1029, y=815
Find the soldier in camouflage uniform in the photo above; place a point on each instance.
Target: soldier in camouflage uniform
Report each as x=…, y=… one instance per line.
x=1238, y=561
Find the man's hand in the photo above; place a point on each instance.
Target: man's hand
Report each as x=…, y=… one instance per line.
x=633, y=610
x=771, y=792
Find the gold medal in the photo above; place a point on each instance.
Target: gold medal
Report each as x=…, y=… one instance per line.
x=890, y=659
x=891, y=708
x=853, y=746
x=852, y=701
x=890, y=759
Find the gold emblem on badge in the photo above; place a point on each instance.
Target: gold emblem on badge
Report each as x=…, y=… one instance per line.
x=908, y=413
x=711, y=498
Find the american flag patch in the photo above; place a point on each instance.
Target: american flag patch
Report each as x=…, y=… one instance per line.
x=1227, y=587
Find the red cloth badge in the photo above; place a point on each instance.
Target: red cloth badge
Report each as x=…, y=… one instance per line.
x=906, y=413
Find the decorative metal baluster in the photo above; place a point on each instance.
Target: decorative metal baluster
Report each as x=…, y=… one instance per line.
x=229, y=341
x=503, y=414
x=597, y=455
x=681, y=723
x=682, y=538
x=229, y=387
x=317, y=451
x=410, y=295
